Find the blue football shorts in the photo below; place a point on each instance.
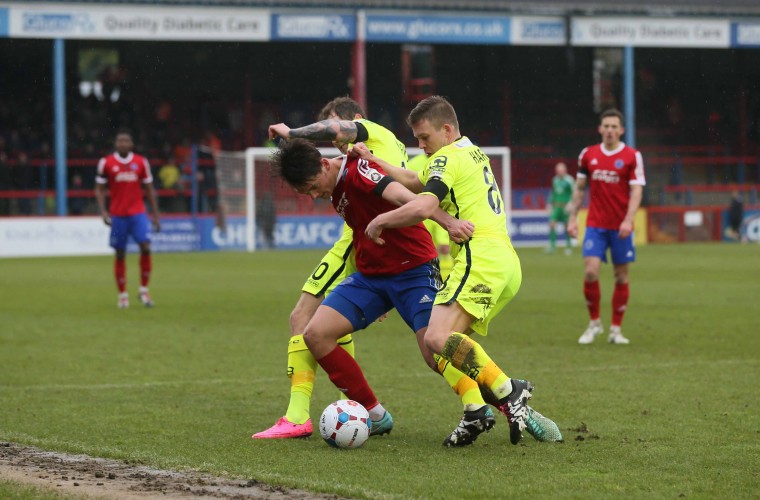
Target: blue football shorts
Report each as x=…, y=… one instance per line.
x=362, y=299
x=596, y=242
x=136, y=226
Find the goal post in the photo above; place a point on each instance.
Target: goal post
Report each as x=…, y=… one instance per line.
x=247, y=189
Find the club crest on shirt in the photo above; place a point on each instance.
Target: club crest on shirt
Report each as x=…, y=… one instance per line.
x=619, y=163
x=133, y=166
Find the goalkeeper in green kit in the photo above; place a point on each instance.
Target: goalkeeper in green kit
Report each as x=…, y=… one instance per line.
x=560, y=196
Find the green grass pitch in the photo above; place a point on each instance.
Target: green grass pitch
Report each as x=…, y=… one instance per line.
x=184, y=385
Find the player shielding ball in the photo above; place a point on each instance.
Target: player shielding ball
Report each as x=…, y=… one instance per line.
x=342, y=122
x=128, y=178
x=614, y=173
x=402, y=275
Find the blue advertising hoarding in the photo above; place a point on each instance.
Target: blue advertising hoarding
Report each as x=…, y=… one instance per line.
x=312, y=27
x=749, y=229
x=745, y=34
x=185, y=234
x=292, y=232
x=3, y=22
x=481, y=30
x=530, y=228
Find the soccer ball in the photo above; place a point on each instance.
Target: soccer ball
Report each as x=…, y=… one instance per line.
x=345, y=424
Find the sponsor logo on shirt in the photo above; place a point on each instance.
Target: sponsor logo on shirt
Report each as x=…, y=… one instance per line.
x=437, y=168
x=608, y=176
x=126, y=177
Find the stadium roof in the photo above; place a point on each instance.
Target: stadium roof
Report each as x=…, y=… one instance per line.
x=546, y=7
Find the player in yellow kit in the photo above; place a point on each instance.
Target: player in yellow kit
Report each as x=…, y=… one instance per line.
x=486, y=274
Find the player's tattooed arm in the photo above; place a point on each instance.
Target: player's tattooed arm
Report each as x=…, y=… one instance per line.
x=343, y=131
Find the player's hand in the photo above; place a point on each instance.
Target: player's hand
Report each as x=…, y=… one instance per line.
x=106, y=219
x=461, y=231
x=572, y=227
x=373, y=231
x=362, y=151
x=279, y=130
x=157, y=224
x=568, y=208
x=625, y=230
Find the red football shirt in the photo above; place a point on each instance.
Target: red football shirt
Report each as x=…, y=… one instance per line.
x=125, y=178
x=357, y=197
x=610, y=177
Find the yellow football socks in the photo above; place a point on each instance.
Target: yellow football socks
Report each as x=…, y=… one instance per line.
x=302, y=369
x=347, y=343
x=467, y=389
x=471, y=359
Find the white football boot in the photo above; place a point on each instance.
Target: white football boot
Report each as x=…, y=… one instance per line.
x=616, y=336
x=594, y=328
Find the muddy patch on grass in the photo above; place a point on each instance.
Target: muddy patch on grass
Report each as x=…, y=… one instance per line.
x=105, y=478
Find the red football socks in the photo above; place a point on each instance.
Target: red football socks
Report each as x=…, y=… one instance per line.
x=120, y=271
x=146, y=266
x=619, y=303
x=592, y=293
x=345, y=373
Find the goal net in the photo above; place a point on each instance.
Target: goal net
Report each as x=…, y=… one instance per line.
x=271, y=211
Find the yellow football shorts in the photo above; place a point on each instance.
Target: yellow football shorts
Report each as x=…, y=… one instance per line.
x=337, y=263
x=485, y=277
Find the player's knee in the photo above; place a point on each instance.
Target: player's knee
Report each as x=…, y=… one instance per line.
x=297, y=321
x=591, y=275
x=434, y=340
x=621, y=278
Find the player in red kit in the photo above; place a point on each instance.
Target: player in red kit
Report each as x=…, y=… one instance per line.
x=128, y=178
x=615, y=174
x=400, y=274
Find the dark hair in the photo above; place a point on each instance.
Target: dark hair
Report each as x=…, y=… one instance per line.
x=344, y=107
x=124, y=131
x=612, y=112
x=435, y=109
x=297, y=162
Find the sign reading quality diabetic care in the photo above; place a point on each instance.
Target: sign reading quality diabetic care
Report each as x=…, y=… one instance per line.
x=145, y=23
x=650, y=32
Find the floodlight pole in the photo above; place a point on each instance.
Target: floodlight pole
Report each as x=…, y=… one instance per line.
x=359, y=62
x=59, y=124
x=629, y=90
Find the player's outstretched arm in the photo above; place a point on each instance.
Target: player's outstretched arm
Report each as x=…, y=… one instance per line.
x=100, y=196
x=420, y=208
x=459, y=230
x=343, y=131
x=409, y=178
